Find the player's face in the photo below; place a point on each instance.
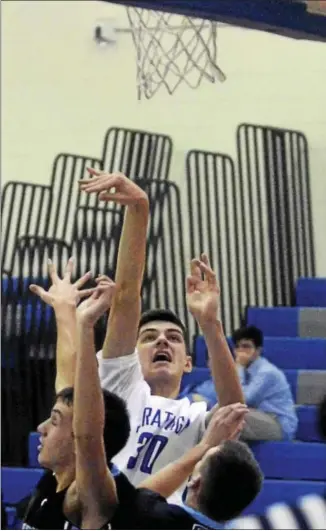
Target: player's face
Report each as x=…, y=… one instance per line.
x=162, y=351
x=56, y=449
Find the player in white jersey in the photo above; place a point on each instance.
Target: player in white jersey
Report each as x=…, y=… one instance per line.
x=149, y=377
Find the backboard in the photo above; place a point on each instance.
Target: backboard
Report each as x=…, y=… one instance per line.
x=300, y=19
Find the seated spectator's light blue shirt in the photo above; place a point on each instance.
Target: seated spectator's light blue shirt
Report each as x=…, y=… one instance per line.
x=265, y=388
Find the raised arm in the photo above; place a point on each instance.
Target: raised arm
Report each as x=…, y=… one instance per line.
x=63, y=296
x=226, y=424
x=95, y=486
x=203, y=299
x=121, y=335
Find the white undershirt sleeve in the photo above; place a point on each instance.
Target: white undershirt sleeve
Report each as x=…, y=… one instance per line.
x=122, y=376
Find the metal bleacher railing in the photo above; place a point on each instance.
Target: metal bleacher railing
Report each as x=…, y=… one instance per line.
x=276, y=221
x=57, y=221
x=213, y=224
x=255, y=219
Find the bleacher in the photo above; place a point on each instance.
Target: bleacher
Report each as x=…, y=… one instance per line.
x=295, y=341
x=291, y=469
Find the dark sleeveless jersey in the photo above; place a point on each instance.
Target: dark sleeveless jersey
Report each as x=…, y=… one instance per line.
x=137, y=509
x=145, y=509
x=45, y=508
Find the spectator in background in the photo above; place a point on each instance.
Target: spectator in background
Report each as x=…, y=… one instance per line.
x=267, y=393
x=308, y=512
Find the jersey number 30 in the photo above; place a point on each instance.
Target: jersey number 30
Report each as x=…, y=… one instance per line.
x=155, y=444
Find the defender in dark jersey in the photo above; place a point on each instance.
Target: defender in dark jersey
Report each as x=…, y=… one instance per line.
x=45, y=507
x=222, y=485
x=57, y=449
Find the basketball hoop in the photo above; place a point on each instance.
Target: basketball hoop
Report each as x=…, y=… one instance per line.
x=173, y=49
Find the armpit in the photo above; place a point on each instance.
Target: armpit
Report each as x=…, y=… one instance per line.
x=71, y=505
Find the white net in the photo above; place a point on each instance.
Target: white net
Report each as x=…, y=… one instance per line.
x=173, y=49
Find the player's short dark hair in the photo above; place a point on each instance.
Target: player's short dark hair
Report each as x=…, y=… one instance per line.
x=231, y=479
x=249, y=332
x=116, y=425
x=66, y=396
x=161, y=315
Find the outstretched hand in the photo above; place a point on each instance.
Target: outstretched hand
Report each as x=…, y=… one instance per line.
x=91, y=309
x=226, y=424
x=203, y=292
x=62, y=290
x=114, y=187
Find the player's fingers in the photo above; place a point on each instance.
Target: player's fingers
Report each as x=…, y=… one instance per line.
x=104, y=182
x=104, y=196
x=104, y=294
x=40, y=292
x=107, y=196
x=231, y=407
x=53, y=272
x=93, y=171
x=96, y=294
x=237, y=432
x=104, y=278
x=208, y=272
x=69, y=269
x=204, y=258
x=232, y=411
x=235, y=417
x=82, y=280
x=191, y=284
x=219, y=416
x=195, y=269
x=116, y=197
x=86, y=292
x=92, y=188
x=238, y=408
x=105, y=287
x=87, y=181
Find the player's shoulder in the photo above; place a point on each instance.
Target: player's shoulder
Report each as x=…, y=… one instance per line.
x=137, y=511
x=148, y=499
x=181, y=405
x=157, y=513
x=171, y=516
x=193, y=519
x=45, y=488
x=125, y=489
x=47, y=482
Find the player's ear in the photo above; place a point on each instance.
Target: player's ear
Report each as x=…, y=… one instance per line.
x=188, y=364
x=194, y=482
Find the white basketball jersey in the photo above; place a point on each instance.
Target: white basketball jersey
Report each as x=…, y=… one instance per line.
x=162, y=429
